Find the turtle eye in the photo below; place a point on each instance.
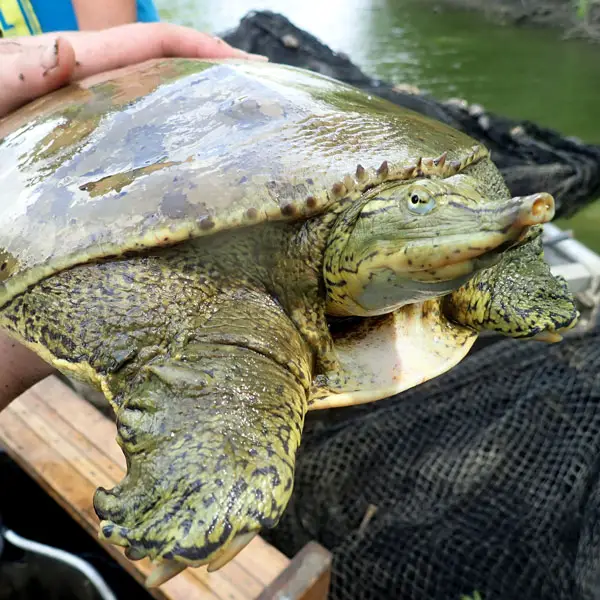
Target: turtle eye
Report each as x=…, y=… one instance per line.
x=421, y=202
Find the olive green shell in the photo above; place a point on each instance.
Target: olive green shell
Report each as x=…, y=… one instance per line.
x=171, y=149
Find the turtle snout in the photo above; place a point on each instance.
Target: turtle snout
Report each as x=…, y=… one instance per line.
x=536, y=209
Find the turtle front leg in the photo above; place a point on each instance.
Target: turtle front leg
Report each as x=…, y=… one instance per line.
x=518, y=297
x=210, y=434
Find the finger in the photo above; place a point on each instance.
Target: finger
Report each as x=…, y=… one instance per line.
x=32, y=71
x=183, y=41
x=116, y=47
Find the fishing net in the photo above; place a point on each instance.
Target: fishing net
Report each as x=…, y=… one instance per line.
x=481, y=482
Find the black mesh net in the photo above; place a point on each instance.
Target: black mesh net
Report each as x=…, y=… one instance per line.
x=484, y=480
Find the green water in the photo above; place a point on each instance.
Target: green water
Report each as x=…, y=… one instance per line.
x=524, y=73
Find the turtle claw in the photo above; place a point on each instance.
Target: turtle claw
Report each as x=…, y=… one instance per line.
x=168, y=569
x=164, y=572
x=135, y=553
x=548, y=337
x=231, y=551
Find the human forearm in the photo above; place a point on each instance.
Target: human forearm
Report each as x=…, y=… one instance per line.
x=20, y=368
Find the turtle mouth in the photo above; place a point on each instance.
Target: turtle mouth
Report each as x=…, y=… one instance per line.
x=489, y=259
x=458, y=256
x=459, y=270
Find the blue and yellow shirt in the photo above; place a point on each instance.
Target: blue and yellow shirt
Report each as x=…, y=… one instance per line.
x=31, y=17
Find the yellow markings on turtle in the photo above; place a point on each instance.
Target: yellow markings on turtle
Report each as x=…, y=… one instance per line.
x=115, y=183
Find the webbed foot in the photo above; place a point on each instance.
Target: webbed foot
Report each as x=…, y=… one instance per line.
x=210, y=440
x=519, y=297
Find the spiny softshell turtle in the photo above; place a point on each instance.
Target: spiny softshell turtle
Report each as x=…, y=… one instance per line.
x=220, y=246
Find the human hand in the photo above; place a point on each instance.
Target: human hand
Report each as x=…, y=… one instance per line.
x=34, y=66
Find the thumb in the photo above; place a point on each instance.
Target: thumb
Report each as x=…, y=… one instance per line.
x=31, y=71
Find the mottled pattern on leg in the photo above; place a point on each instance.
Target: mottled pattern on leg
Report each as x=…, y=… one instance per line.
x=211, y=442
x=312, y=323
x=504, y=299
x=253, y=319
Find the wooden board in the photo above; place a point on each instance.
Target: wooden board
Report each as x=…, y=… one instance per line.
x=307, y=577
x=69, y=448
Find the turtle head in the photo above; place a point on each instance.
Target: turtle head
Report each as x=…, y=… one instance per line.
x=421, y=239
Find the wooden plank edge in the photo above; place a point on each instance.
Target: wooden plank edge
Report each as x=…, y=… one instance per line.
x=307, y=577
x=80, y=414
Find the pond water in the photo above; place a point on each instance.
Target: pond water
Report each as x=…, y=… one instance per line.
x=524, y=73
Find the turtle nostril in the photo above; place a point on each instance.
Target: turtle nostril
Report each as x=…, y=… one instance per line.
x=542, y=205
